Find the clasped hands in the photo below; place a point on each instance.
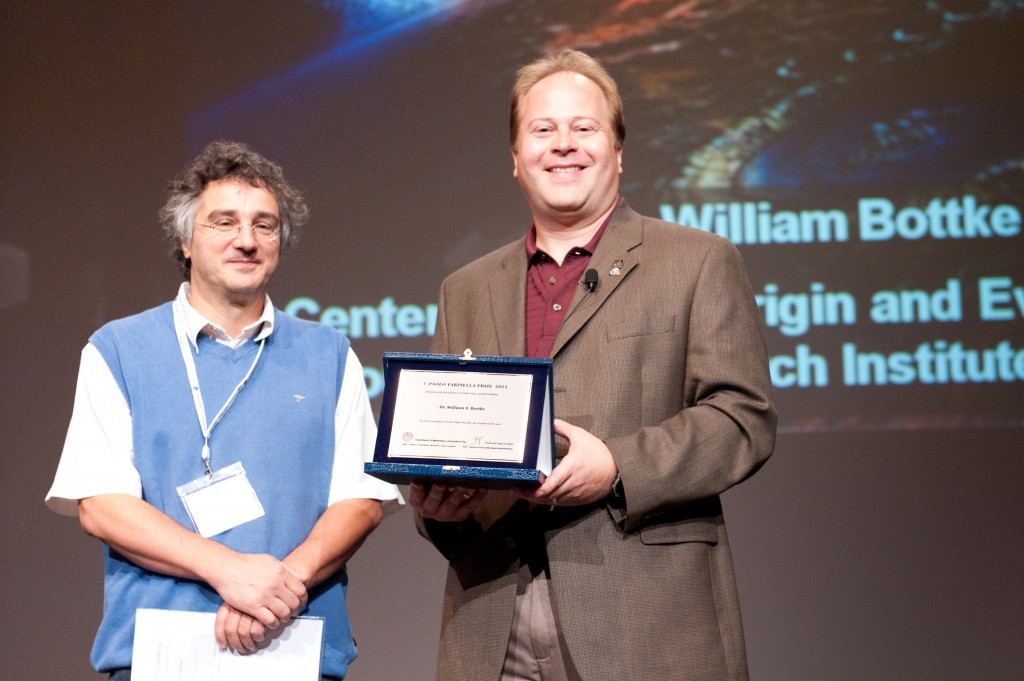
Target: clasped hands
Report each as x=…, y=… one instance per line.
x=260, y=595
x=583, y=476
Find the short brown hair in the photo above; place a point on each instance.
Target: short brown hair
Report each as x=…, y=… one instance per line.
x=573, y=61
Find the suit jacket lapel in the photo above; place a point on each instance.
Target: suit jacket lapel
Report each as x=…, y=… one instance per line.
x=616, y=251
x=508, y=303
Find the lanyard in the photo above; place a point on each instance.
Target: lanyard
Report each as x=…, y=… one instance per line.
x=193, y=381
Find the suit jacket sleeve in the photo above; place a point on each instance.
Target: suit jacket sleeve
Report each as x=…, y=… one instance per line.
x=724, y=429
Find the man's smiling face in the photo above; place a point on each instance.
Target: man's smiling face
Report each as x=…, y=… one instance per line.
x=565, y=155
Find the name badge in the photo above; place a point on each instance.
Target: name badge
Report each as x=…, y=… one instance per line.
x=219, y=503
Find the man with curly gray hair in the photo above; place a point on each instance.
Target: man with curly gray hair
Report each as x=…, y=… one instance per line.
x=221, y=161
x=216, y=444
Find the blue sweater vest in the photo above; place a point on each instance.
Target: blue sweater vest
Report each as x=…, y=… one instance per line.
x=281, y=427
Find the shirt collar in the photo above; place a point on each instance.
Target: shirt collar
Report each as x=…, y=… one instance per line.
x=196, y=323
x=532, y=251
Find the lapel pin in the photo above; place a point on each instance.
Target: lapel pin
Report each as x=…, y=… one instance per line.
x=616, y=269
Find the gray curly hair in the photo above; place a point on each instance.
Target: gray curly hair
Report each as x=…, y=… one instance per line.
x=224, y=160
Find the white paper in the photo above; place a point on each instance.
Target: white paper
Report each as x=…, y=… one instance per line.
x=545, y=455
x=173, y=645
x=467, y=416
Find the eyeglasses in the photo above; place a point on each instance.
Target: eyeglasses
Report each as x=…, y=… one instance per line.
x=228, y=228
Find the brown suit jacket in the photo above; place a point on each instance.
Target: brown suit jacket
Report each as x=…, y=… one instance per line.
x=666, y=362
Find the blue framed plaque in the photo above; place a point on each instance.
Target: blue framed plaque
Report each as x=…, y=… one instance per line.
x=478, y=421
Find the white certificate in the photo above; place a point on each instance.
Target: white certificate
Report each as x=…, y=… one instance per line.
x=465, y=416
x=172, y=644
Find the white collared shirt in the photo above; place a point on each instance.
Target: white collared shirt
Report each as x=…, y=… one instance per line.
x=99, y=457
x=196, y=323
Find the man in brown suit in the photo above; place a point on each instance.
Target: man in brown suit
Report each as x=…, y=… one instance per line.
x=618, y=565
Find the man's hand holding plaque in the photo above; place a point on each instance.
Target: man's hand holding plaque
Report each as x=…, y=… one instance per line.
x=443, y=502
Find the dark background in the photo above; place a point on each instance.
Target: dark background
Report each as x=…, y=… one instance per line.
x=885, y=538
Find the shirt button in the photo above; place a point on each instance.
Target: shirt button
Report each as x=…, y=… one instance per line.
x=551, y=280
x=556, y=307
